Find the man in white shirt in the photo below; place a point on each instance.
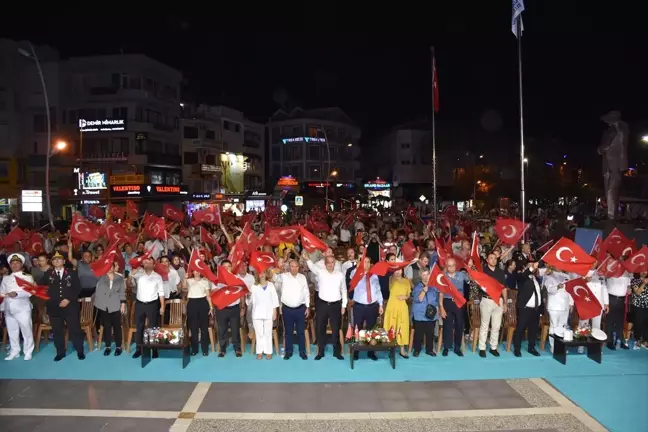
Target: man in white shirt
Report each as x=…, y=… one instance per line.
x=17, y=308
x=618, y=289
x=598, y=285
x=158, y=248
x=321, y=265
x=559, y=302
x=345, y=236
x=332, y=302
x=295, y=303
x=150, y=301
x=347, y=265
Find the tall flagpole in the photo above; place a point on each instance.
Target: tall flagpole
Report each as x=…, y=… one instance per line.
x=434, y=160
x=519, y=50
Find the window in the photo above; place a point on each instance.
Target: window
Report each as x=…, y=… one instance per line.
x=210, y=134
x=313, y=152
x=237, y=127
x=227, y=125
x=276, y=134
x=333, y=152
x=118, y=145
x=314, y=171
x=296, y=171
x=276, y=153
x=172, y=149
x=405, y=162
x=40, y=123
x=276, y=170
x=190, y=158
x=313, y=131
x=157, y=177
x=135, y=83
x=190, y=132
x=405, y=145
x=115, y=80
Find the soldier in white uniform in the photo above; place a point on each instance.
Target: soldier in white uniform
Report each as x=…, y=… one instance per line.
x=559, y=302
x=17, y=308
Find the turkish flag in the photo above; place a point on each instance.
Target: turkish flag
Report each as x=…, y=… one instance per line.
x=443, y=284
x=248, y=218
x=383, y=267
x=598, y=251
x=409, y=251
x=117, y=212
x=638, y=261
x=510, y=231
x=35, y=245
x=132, y=211
x=114, y=232
x=155, y=228
x=310, y=241
x=611, y=268
x=172, y=213
x=209, y=238
x=489, y=285
x=410, y=213
x=585, y=301
x=435, y=85
x=360, y=271
x=262, y=261
x=474, y=252
x=208, y=215
x=225, y=296
x=617, y=244
x=81, y=229
x=196, y=264
x=568, y=256
x=96, y=212
x=225, y=277
x=39, y=291
x=103, y=264
x=162, y=270
x=136, y=262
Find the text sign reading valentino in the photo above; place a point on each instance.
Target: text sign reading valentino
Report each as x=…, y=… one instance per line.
x=135, y=190
x=105, y=125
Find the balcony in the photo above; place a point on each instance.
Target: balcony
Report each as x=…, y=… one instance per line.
x=163, y=127
x=251, y=144
x=164, y=159
x=103, y=90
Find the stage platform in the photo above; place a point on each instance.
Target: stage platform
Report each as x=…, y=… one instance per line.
x=424, y=393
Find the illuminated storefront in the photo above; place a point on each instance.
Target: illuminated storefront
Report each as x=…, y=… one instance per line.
x=256, y=201
x=379, y=193
x=233, y=172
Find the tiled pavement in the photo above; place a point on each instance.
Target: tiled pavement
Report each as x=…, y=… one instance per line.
x=109, y=406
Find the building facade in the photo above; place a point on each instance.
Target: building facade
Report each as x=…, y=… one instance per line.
x=223, y=152
x=318, y=145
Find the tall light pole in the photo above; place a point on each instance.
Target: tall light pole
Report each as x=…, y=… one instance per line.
x=328, y=168
x=32, y=55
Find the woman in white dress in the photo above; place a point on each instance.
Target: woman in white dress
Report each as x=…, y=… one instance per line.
x=264, y=302
x=17, y=308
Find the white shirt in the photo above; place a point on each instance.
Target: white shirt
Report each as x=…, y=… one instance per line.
x=171, y=285
x=150, y=287
x=263, y=301
x=558, y=299
x=157, y=246
x=532, y=301
x=321, y=265
x=294, y=290
x=599, y=288
x=198, y=288
x=346, y=265
x=331, y=286
x=21, y=302
x=618, y=287
x=359, y=226
x=345, y=235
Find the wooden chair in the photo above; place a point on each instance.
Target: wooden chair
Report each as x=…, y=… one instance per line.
x=545, y=323
x=177, y=314
x=440, y=338
x=43, y=326
x=131, y=327
x=87, y=320
x=509, y=321
x=474, y=318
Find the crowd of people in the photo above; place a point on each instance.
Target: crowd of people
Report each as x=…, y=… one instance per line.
x=287, y=278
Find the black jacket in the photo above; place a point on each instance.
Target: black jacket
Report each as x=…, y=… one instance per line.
x=526, y=289
x=68, y=287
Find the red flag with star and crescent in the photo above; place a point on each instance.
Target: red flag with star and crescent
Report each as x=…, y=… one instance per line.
x=617, y=244
x=638, y=261
x=568, y=256
x=488, y=284
x=443, y=284
x=262, y=261
x=611, y=268
x=510, y=231
x=586, y=303
x=225, y=296
x=310, y=242
x=39, y=291
x=196, y=264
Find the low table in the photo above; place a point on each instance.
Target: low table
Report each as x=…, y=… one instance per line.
x=358, y=347
x=147, y=350
x=593, y=346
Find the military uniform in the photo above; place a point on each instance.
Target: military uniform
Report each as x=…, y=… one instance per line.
x=65, y=286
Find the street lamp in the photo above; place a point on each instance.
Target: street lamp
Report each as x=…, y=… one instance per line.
x=31, y=54
x=328, y=167
x=60, y=145
x=644, y=139
x=334, y=173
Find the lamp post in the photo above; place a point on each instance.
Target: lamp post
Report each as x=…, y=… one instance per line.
x=32, y=55
x=328, y=168
x=644, y=139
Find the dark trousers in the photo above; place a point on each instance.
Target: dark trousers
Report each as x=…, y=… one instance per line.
x=294, y=319
x=150, y=310
x=424, y=329
x=614, y=319
x=111, y=322
x=528, y=319
x=198, y=323
x=640, y=324
x=67, y=316
x=333, y=312
x=453, y=325
x=366, y=315
x=229, y=317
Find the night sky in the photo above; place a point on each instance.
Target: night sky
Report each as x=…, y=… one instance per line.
x=580, y=61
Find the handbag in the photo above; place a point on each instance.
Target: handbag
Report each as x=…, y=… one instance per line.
x=430, y=311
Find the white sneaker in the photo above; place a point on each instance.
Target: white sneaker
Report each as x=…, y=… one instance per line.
x=12, y=356
x=27, y=356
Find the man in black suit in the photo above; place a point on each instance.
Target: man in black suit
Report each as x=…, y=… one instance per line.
x=529, y=305
x=63, y=305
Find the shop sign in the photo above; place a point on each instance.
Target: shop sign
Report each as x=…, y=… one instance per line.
x=299, y=200
x=134, y=190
